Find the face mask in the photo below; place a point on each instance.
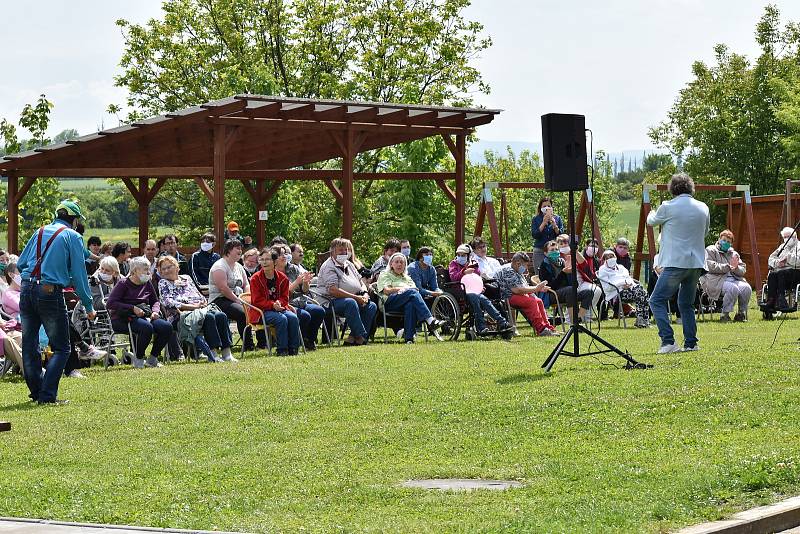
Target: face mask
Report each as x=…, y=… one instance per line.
x=288, y=258
x=206, y=246
x=611, y=262
x=724, y=246
x=461, y=260
x=621, y=252
x=17, y=279
x=591, y=251
x=553, y=255
x=143, y=278
x=522, y=269
x=428, y=259
x=341, y=258
x=544, y=210
x=406, y=251
x=564, y=250
x=105, y=277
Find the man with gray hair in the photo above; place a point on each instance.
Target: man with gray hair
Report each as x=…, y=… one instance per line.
x=684, y=224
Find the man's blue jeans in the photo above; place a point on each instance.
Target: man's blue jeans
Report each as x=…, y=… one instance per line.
x=287, y=329
x=38, y=308
x=684, y=281
x=359, y=318
x=481, y=303
x=413, y=307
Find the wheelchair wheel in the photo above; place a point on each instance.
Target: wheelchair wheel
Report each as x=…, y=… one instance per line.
x=445, y=308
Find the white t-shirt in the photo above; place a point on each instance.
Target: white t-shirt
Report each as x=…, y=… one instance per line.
x=237, y=278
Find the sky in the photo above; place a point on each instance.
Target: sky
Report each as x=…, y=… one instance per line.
x=619, y=62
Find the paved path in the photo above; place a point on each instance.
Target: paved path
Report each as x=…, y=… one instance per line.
x=39, y=526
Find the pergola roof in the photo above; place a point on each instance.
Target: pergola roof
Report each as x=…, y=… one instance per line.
x=282, y=133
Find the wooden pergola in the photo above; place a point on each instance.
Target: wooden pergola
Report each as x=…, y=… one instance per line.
x=261, y=141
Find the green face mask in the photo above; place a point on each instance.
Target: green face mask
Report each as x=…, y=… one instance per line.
x=724, y=246
x=554, y=255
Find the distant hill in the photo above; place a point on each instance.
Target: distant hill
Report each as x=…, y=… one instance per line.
x=476, y=150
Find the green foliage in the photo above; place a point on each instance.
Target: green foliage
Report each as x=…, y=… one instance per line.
x=321, y=442
x=726, y=121
x=388, y=50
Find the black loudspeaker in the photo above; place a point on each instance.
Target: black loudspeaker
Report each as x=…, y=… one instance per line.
x=564, y=147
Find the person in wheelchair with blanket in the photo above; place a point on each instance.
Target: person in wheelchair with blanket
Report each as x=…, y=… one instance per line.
x=784, y=274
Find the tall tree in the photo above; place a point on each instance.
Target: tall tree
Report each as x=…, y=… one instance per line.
x=724, y=125
x=407, y=51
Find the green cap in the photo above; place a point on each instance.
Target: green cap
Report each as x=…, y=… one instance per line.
x=71, y=207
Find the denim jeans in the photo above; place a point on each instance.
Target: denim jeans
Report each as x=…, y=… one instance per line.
x=217, y=330
x=287, y=329
x=38, y=308
x=684, y=281
x=359, y=318
x=479, y=304
x=413, y=307
x=310, y=318
x=143, y=331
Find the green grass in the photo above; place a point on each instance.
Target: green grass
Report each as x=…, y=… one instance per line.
x=76, y=185
x=131, y=235
x=628, y=219
x=321, y=442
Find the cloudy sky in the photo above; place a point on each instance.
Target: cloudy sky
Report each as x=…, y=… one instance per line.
x=619, y=62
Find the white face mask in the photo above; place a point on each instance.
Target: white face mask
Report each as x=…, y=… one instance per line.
x=591, y=251
x=564, y=250
x=611, y=262
x=105, y=277
x=143, y=278
x=206, y=246
x=545, y=209
x=341, y=258
x=17, y=279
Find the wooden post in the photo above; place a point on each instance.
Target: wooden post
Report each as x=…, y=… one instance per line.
x=644, y=209
x=788, y=204
x=261, y=205
x=13, y=214
x=219, y=184
x=461, y=210
x=144, y=212
x=347, y=186
x=748, y=207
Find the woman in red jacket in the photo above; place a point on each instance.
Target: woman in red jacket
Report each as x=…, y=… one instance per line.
x=269, y=292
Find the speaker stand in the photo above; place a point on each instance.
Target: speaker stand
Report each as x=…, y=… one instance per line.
x=576, y=329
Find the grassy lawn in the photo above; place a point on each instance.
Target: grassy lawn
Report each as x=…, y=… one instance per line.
x=320, y=442
x=131, y=235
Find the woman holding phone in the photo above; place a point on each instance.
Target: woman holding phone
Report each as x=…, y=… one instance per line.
x=545, y=226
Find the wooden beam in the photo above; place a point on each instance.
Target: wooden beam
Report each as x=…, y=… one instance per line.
x=201, y=183
x=451, y=196
x=347, y=185
x=26, y=186
x=251, y=190
x=461, y=193
x=132, y=188
x=335, y=125
x=296, y=111
x=256, y=109
x=220, y=137
x=267, y=195
x=337, y=193
x=153, y=191
x=451, y=145
x=361, y=114
x=231, y=138
x=282, y=174
x=144, y=211
x=13, y=213
x=119, y=172
x=338, y=139
x=260, y=203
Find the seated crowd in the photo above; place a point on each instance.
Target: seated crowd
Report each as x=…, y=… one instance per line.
x=166, y=301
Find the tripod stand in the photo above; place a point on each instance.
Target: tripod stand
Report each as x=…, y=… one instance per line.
x=575, y=328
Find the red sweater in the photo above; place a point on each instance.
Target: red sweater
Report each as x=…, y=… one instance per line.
x=260, y=297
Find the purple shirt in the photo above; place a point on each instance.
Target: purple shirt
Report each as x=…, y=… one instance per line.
x=126, y=295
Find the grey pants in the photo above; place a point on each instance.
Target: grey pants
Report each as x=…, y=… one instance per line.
x=735, y=291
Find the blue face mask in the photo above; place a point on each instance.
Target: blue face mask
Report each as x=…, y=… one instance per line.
x=405, y=251
x=522, y=269
x=553, y=255
x=428, y=259
x=461, y=260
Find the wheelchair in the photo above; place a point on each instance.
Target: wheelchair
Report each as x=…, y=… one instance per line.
x=452, y=308
x=792, y=297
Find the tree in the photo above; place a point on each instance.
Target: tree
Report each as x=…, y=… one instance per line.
x=725, y=122
x=406, y=51
x=38, y=206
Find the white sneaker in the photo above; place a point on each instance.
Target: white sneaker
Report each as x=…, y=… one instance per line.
x=667, y=349
x=400, y=333
x=230, y=358
x=152, y=361
x=75, y=374
x=93, y=353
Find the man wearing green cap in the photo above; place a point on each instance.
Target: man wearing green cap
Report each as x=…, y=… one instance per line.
x=52, y=260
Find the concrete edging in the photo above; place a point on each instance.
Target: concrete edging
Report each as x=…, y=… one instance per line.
x=108, y=527
x=772, y=518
